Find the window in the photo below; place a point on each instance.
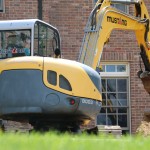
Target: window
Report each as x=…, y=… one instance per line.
x=121, y=7
x=52, y=77
x=46, y=40
x=15, y=43
x=115, y=96
x=1, y=5
x=113, y=68
x=64, y=83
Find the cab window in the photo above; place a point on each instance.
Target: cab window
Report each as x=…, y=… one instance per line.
x=64, y=83
x=46, y=40
x=15, y=43
x=52, y=77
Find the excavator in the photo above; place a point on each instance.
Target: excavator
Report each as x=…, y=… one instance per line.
x=37, y=86
x=48, y=91
x=103, y=19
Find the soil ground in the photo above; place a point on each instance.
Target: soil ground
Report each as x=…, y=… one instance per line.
x=144, y=128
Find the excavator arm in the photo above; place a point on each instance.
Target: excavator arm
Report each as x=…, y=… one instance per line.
x=103, y=19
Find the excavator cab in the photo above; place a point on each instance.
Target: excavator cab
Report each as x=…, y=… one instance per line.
x=28, y=38
x=39, y=87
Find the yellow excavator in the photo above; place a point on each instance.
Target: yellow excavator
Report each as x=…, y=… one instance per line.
x=37, y=85
x=103, y=19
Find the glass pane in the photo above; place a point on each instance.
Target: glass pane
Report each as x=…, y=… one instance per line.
x=122, y=102
x=121, y=68
x=1, y=5
x=103, y=85
x=46, y=40
x=40, y=35
x=120, y=7
x=103, y=99
x=122, y=99
x=52, y=77
x=111, y=85
x=122, y=85
x=111, y=110
x=42, y=40
x=110, y=68
x=122, y=120
x=111, y=120
x=36, y=39
x=122, y=95
x=111, y=99
x=101, y=119
x=15, y=43
x=64, y=83
x=122, y=110
x=104, y=96
x=103, y=102
x=103, y=110
x=52, y=42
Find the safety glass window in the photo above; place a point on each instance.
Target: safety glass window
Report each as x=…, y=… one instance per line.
x=52, y=77
x=15, y=43
x=64, y=83
x=46, y=40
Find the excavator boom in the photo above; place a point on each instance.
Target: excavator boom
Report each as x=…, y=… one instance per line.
x=103, y=19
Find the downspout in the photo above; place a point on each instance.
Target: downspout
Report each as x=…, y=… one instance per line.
x=40, y=9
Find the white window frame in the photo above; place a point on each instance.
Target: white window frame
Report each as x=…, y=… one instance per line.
x=115, y=74
x=125, y=74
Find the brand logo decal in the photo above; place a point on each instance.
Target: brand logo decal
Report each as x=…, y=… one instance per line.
x=117, y=20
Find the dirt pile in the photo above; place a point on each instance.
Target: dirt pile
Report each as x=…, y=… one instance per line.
x=144, y=128
x=13, y=126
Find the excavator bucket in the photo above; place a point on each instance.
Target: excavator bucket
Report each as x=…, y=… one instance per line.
x=145, y=77
x=147, y=115
x=146, y=83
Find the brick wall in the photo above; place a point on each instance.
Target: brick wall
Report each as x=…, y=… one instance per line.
x=70, y=18
x=19, y=9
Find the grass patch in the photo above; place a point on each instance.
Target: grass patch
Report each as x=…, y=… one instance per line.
x=54, y=141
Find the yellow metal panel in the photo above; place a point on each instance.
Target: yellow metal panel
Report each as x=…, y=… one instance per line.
x=82, y=86
x=26, y=62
